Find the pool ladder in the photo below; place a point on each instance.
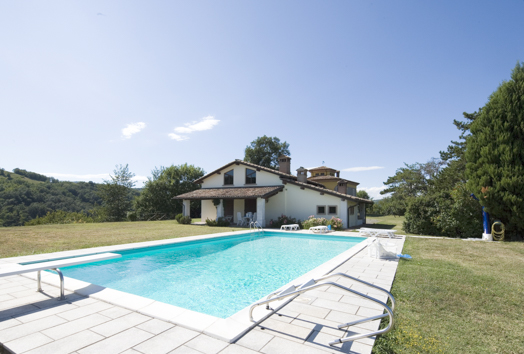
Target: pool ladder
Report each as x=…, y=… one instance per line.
x=255, y=225
x=316, y=283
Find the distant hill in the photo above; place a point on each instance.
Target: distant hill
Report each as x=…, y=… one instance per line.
x=25, y=195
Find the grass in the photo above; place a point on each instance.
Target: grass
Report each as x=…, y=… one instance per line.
x=458, y=296
x=26, y=240
x=454, y=296
x=389, y=222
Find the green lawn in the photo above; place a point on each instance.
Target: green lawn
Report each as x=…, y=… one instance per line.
x=25, y=240
x=458, y=296
x=387, y=222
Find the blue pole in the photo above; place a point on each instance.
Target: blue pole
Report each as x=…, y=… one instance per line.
x=485, y=216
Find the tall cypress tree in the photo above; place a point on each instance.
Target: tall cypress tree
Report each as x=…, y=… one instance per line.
x=495, y=153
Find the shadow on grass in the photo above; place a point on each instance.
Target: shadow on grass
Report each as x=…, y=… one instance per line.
x=380, y=226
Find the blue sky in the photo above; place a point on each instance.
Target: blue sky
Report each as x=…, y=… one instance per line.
x=360, y=86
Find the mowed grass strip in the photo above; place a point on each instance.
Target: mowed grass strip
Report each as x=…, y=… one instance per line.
x=26, y=240
x=458, y=296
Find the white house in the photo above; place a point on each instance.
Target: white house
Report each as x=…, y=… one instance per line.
x=242, y=187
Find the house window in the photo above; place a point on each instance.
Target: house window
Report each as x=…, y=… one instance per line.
x=351, y=210
x=332, y=210
x=321, y=209
x=251, y=176
x=228, y=178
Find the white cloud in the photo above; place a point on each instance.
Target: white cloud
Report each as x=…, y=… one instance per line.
x=132, y=128
x=374, y=192
x=205, y=123
x=178, y=137
x=360, y=169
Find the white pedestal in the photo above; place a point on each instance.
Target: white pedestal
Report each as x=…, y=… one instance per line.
x=487, y=237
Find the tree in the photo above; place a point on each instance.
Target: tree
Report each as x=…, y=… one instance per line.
x=495, y=153
x=410, y=182
x=156, y=200
x=363, y=194
x=116, y=193
x=264, y=151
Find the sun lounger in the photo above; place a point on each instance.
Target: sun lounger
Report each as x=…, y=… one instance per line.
x=54, y=265
x=290, y=227
x=364, y=231
x=320, y=229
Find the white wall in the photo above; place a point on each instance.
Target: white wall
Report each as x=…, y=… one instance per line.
x=209, y=211
x=239, y=178
x=238, y=206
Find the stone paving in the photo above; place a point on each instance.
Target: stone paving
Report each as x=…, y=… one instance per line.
x=33, y=322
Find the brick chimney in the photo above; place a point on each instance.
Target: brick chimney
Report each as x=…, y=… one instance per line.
x=284, y=164
x=302, y=175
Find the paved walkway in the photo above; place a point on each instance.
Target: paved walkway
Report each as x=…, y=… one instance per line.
x=32, y=322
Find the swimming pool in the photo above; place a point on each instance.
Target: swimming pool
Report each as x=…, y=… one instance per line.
x=218, y=276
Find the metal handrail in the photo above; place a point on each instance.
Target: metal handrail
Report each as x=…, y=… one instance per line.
x=389, y=311
x=255, y=225
x=60, y=275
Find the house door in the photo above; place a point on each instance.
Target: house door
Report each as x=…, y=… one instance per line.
x=250, y=205
x=228, y=207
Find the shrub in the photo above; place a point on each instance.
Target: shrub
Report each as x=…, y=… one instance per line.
x=312, y=221
x=185, y=220
x=220, y=222
x=336, y=223
x=178, y=217
x=132, y=216
x=282, y=220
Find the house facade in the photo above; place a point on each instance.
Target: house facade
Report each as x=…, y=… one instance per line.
x=242, y=187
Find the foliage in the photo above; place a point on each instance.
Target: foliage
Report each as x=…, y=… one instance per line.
x=158, y=192
x=61, y=217
x=221, y=222
x=312, y=221
x=185, y=220
x=31, y=175
x=282, y=220
x=264, y=151
x=178, y=217
x=116, y=193
x=410, y=182
x=495, y=154
x=22, y=200
x=335, y=222
x=363, y=194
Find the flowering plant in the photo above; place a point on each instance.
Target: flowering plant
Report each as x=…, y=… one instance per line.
x=282, y=220
x=336, y=223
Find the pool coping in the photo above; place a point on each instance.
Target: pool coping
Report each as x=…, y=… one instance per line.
x=229, y=329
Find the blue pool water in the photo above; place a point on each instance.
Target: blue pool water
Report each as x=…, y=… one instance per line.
x=218, y=277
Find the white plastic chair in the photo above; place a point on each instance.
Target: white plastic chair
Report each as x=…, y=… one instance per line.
x=254, y=217
x=240, y=219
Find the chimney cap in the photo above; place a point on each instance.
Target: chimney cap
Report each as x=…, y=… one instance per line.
x=282, y=156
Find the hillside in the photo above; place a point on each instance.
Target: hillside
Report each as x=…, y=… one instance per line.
x=25, y=195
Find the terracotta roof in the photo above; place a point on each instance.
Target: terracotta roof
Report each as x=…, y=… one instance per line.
x=232, y=193
x=328, y=191
x=241, y=162
x=330, y=178
x=322, y=168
